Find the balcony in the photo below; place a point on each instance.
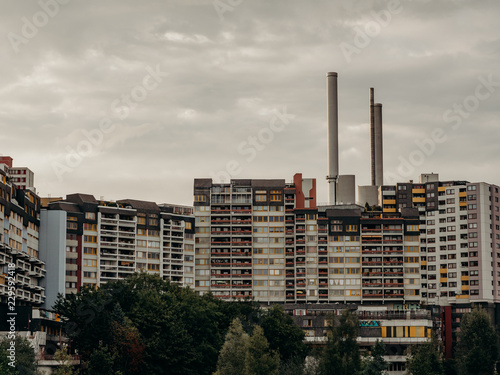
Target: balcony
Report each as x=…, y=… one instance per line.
x=372, y=285
x=394, y=295
x=392, y=273
x=221, y=285
x=380, y=295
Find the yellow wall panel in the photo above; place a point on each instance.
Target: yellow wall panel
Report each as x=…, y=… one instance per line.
x=413, y=332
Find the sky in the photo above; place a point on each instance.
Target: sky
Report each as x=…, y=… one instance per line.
x=135, y=99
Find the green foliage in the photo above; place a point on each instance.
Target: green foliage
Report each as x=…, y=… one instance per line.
x=259, y=359
x=101, y=361
x=292, y=367
x=150, y=324
x=449, y=367
x=477, y=348
x=425, y=358
x=284, y=335
x=4, y=362
x=232, y=355
x=25, y=363
x=65, y=366
x=375, y=364
x=341, y=353
x=373, y=208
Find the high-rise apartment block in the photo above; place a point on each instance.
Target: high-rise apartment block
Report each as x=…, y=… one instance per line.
x=459, y=245
x=268, y=239
x=94, y=242
x=22, y=177
x=459, y=237
x=19, y=243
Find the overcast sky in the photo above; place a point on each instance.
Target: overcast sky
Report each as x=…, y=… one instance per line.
x=172, y=90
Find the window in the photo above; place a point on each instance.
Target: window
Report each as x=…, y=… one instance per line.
x=336, y=260
x=91, y=227
x=276, y=195
x=336, y=225
x=90, y=250
x=276, y=219
x=90, y=263
x=200, y=198
x=260, y=196
x=91, y=239
x=71, y=225
x=260, y=219
x=153, y=267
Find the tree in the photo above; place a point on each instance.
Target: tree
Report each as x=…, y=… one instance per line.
x=375, y=364
x=259, y=359
x=341, y=353
x=5, y=368
x=284, y=336
x=65, y=360
x=25, y=362
x=232, y=355
x=101, y=361
x=425, y=358
x=168, y=326
x=477, y=347
x=127, y=346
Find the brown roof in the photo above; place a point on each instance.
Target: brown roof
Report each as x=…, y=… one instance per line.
x=140, y=205
x=268, y=183
x=64, y=206
x=80, y=198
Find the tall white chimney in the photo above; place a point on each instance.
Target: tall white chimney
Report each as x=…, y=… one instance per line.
x=373, y=172
x=333, y=137
x=379, y=151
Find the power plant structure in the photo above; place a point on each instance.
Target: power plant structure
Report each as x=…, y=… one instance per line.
x=341, y=188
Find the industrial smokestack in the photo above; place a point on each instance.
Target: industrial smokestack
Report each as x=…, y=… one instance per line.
x=379, y=151
x=333, y=137
x=372, y=137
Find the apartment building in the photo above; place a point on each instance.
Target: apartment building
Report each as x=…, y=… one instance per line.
x=94, y=242
x=268, y=239
x=19, y=243
x=459, y=245
x=396, y=329
x=22, y=177
x=459, y=239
